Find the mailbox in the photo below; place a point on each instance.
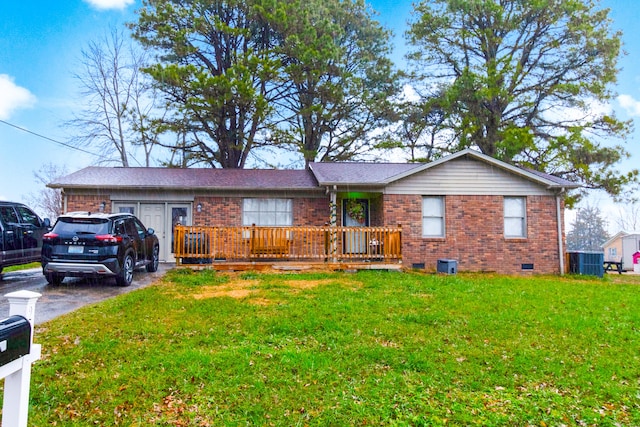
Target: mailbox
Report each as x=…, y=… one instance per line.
x=15, y=339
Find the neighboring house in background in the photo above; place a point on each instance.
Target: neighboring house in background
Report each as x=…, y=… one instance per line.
x=485, y=214
x=622, y=246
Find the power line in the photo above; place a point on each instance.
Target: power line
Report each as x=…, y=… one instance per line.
x=49, y=139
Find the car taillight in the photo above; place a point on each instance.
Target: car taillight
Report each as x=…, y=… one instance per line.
x=109, y=238
x=49, y=236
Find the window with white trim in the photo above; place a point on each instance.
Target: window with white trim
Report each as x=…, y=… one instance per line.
x=267, y=212
x=433, y=216
x=515, y=217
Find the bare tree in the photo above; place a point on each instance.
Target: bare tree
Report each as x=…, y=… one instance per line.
x=48, y=201
x=629, y=217
x=118, y=100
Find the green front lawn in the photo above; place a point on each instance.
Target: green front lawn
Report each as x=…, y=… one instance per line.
x=372, y=348
x=21, y=267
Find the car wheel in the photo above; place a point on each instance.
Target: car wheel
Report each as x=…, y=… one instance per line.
x=54, y=279
x=154, y=261
x=125, y=277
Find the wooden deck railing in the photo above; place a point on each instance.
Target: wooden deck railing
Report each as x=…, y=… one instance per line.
x=203, y=245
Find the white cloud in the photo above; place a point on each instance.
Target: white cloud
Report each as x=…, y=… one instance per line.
x=629, y=104
x=110, y=4
x=13, y=97
x=577, y=115
x=409, y=94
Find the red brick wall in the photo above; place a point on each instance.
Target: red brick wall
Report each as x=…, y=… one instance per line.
x=475, y=234
x=311, y=211
x=218, y=211
x=227, y=211
x=474, y=228
x=91, y=203
x=376, y=211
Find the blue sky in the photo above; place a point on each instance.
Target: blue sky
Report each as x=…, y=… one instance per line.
x=40, y=45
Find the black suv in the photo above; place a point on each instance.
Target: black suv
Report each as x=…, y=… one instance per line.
x=85, y=244
x=21, y=232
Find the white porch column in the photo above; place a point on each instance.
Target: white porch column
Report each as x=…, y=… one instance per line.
x=333, y=222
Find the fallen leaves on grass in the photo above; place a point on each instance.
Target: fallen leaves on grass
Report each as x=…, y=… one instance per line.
x=174, y=411
x=250, y=289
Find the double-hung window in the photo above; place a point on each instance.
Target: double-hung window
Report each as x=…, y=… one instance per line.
x=515, y=217
x=267, y=212
x=433, y=216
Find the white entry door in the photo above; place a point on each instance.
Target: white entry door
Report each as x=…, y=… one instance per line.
x=152, y=215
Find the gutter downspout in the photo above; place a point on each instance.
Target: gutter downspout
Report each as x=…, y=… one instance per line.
x=559, y=221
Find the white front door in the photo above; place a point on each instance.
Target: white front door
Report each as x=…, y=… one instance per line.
x=152, y=215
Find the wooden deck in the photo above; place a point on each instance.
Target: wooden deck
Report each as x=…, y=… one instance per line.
x=255, y=247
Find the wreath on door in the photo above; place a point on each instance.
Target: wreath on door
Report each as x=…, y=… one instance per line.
x=355, y=210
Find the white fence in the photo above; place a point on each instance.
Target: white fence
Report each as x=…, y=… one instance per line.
x=17, y=372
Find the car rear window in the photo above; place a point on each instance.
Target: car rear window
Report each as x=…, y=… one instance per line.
x=81, y=226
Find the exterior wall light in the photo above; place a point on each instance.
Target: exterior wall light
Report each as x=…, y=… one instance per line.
x=102, y=206
x=199, y=207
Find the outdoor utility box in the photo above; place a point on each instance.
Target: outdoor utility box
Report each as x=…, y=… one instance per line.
x=447, y=266
x=587, y=263
x=15, y=339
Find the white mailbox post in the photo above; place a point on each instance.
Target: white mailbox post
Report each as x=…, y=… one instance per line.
x=17, y=373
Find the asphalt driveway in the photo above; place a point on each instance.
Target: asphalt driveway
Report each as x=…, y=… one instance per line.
x=72, y=293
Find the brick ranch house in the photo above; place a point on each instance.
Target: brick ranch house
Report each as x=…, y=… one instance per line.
x=485, y=214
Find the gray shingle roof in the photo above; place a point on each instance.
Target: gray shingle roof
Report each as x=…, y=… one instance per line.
x=555, y=179
x=229, y=179
x=318, y=176
x=385, y=173
x=359, y=173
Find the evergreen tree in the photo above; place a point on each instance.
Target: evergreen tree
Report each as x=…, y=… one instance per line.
x=336, y=76
x=589, y=231
x=244, y=76
x=214, y=68
x=522, y=81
